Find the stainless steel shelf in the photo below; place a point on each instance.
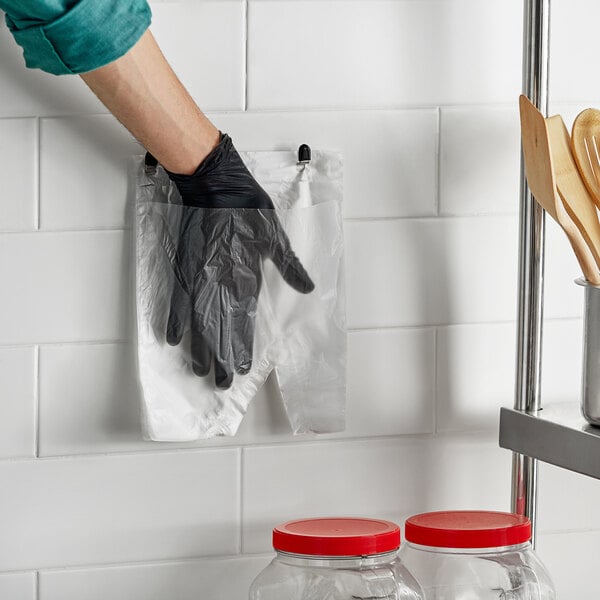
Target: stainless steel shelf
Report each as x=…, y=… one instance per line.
x=558, y=435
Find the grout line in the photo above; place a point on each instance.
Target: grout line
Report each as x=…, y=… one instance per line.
x=140, y=563
x=317, y=108
x=438, y=163
x=246, y=28
x=37, y=585
x=66, y=343
x=37, y=176
x=283, y=443
x=366, y=329
x=371, y=107
x=36, y=397
x=66, y=231
x=406, y=218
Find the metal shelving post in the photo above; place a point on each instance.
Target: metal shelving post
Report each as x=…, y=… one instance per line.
x=558, y=435
x=536, y=38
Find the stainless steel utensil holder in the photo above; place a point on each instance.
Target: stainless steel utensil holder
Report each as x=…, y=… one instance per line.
x=590, y=380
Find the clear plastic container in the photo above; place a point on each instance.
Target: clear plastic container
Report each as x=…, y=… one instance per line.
x=336, y=559
x=474, y=555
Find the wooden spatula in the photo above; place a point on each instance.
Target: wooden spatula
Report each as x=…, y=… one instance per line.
x=541, y=180
x=572, y=190
x=585, y=143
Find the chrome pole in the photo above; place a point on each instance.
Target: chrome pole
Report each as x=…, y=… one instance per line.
x=536, y=42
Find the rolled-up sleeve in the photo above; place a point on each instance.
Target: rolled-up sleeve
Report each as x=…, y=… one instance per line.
x=62, y=36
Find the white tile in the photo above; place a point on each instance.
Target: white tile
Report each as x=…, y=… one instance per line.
x=204, y=43
x=101, y=377
x=31, y=92
x=390, y=382
x=207, y=579
x=562, y=510
x=435, y=271
x=562, y=347
x=361, y=478
x=389, y=478
x=383, y=53
x=17, y=402
x=479, y=160
x=390, y=156
x=84, y=166
x=572, y=561
x=61, y=512
x=572, y=48
x=64, y=286
x=18, y=586
x=475, y=375
x=18, y=157
x=476, y=371
x=562, y=297
x=466, y=472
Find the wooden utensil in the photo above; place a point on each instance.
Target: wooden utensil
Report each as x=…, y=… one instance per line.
x=541, y=180
x=585, y=144
x=572, y=190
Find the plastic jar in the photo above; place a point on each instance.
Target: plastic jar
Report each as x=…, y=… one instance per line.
x=335, y=559
x=474, y=555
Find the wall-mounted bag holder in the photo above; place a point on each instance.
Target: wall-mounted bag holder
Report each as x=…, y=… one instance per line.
x=299, y=336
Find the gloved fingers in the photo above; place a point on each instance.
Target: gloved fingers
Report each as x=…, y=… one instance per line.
x=223, y=375
x=291, y=269
x=242, y=339
x=282, y=255
x=200, y=350
x=178, y=315
x=223, y=359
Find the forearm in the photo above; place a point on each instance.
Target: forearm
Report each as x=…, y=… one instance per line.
x=141, y=90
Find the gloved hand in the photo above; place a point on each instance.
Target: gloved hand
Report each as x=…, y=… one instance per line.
x=229, y=228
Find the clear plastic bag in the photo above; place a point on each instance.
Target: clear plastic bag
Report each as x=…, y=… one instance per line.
x=301, y=336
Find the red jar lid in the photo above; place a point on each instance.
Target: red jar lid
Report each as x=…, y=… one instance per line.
x=467, y=529
x=337, y=537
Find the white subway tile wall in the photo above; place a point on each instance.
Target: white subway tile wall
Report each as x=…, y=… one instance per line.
x=18, y=374
x=571, y=577
x=420, y=98
x=479, y=161
x=105, y=509
x=18, y=586
x=99, y=143
x=18, y=157
x=209, y=578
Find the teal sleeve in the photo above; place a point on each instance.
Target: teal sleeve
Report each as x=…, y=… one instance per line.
x=75, y=36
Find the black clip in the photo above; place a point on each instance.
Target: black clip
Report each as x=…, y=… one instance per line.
x=304, y=154
x=150, y=163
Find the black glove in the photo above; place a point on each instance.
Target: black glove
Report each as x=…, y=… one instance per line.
x=230, y=227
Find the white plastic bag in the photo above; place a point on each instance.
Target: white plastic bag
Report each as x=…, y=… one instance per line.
x=299, y=336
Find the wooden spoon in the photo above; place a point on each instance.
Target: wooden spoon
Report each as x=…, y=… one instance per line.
x=585, y=143
x=540, y=177
x=572, y=190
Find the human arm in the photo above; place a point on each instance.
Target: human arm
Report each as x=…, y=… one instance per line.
x=141, y=90
x=108, y=43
